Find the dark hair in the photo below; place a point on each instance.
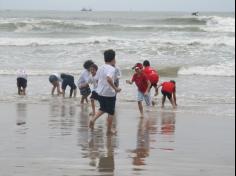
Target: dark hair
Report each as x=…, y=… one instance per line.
x=109, y=55
x=173, y=81
x=88, y=64
x=146, y=63
x=94, y=66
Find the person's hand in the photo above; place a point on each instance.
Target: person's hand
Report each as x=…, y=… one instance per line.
x=127, y=81
x=118, y=90
x=146, y=93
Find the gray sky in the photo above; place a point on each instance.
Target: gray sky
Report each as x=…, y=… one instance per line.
x=121, y=5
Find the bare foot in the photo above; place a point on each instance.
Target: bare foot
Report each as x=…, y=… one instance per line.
x=111, y=132
x=91, y=125
x=153, y=103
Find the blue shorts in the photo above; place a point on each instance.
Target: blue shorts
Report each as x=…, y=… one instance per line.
x=147, y=98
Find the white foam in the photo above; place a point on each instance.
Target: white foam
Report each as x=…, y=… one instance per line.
x=219, y=24
x=227, y=70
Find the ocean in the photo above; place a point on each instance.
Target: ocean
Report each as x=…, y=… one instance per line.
x=199, y=52
x=44, y=135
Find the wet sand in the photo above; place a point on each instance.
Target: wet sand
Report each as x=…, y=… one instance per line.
x=52, y=139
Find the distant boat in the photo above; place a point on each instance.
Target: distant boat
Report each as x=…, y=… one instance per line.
x=195, y=14
x=86, y=10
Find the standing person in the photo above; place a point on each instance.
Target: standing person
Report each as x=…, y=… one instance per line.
x=94, y=82
x=22, y=80
x=83, y=84
x=169, y=90
x=55, y=80
x=152, y=75
x=143, y=84
x=68, y=80
x=106, y=90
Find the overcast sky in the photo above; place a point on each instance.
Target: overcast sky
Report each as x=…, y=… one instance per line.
x=121, y=5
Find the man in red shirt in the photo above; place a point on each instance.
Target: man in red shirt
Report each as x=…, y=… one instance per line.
x=169, y=90
x=152, y=75
x=143, y=84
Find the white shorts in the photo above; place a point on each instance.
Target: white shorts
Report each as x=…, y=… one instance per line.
x=146, y=98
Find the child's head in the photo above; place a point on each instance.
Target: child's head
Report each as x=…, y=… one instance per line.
x=110, y=57
x=146, y=63
x=138, y=68
x=88, y=64
x=172, y=81
x=94, y=69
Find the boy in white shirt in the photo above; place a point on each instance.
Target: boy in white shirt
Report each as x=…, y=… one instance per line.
x=22, y=82
x=106, y=90
x=83, y=84
x=94, y=97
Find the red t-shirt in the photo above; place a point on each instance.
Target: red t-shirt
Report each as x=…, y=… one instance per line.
x=168, y=87
x=141, y=81
x=151, y=74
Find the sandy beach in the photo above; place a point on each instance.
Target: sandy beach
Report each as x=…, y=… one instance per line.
x=53, y=139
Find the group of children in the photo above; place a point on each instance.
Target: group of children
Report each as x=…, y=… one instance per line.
x=146, y=78
x=105, y=86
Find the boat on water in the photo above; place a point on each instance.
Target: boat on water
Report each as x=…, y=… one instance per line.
x=195, y=14
x=86, y=10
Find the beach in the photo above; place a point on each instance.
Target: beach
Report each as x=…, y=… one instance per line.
x=54, y=140
x=45, y=135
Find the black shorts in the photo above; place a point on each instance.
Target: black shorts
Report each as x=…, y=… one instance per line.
x=86, y=91
x=107, y=104
x=94, y=96
x=53, y=79
x=68, y=82
x=21, y=83
x=167, y=94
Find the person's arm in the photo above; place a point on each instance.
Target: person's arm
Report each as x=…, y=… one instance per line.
x=149, y=87
x=111, y=83
x=129, y=82
x=53, y=90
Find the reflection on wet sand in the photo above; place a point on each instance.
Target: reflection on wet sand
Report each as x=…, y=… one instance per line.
x=62, y=117
x=96, y=145
x=143, y=143
x=168, y=123
x=21, y=113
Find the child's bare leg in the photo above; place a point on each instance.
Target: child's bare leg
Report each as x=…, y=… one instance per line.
x=24, y=91
x=94, y=119
x=163, y=101
x=19, y=91
x=82, y=100
x=140, y=105
x=173, y=103
x=75, y=93
x=93, y=107
x=110, y=130
x=86, y=99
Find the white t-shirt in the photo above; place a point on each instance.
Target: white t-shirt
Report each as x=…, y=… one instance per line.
x=104, y=89
x=58, y=76
x=22, y=74
x=93, y=80
x=84, y=78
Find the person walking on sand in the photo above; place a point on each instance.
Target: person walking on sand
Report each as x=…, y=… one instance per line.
x=107, y=91
x=68, y=80
x=169, y=91
x=143, y=84
x=55, y=80
x=22, y=80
